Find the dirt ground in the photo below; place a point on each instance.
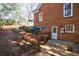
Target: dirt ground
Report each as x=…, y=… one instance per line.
x=9, y=48
x=49, y=49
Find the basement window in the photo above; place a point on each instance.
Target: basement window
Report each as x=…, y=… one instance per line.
x=40, y=17
x=69, y=28
x=68, y=9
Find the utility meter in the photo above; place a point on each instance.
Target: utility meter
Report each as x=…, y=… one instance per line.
x=62, y=30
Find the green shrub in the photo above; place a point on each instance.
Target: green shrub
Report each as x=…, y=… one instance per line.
x=16, y=30
x=26, y=29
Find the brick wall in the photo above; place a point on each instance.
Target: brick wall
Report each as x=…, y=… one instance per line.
x=53, y=16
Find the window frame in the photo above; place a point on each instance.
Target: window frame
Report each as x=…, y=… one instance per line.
x=64, y=10
x=41, y=13
x=70, y=31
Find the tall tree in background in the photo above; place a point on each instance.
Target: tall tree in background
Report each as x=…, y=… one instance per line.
x=12, y=11
x=30, y=9
x=9, y=11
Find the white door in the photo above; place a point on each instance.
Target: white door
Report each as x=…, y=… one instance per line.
x=54, y=32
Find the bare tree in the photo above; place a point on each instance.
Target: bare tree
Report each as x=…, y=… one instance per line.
x=30, y=9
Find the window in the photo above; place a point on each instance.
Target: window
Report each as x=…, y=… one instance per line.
x=54, y=30
x=68, y=10
x=40, y=17
x=69, y=28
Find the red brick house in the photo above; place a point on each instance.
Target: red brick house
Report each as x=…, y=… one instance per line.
x=60, y=19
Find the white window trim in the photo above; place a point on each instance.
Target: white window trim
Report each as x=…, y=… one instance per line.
x=42, y=17
x=71, y=10
x=70, y=31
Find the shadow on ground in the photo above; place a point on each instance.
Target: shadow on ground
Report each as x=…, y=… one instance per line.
x=51, y=49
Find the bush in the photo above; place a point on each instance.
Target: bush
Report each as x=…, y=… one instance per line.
x=69, y=48
x=29, y=30
x=22, y=28
x=26, y=29
x=45, y=37
x=16, y=30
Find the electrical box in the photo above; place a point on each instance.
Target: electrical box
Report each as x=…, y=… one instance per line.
x=62, y=30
